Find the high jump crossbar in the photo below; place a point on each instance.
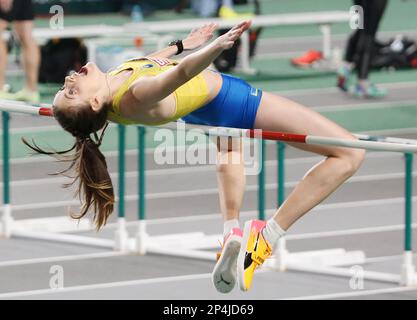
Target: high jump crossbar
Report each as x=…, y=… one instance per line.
x=364, y=142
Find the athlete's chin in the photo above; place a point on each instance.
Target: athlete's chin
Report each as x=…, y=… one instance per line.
x=94, y=75
x=93, y=69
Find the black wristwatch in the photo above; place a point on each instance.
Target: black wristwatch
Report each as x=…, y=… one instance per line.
x=179, y=44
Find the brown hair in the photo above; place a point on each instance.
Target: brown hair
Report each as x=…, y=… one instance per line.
x=95, y=188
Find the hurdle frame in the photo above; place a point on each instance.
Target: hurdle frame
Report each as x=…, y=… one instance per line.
x=6, y=219
x=332, y=261
x=327, y=262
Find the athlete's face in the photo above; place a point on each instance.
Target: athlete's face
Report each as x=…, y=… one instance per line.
x=87, y=87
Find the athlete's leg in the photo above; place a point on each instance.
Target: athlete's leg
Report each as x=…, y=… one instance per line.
x=231, y=183
x=345, y=69
x=230, y=176
x=352, y=44
x=351, y=47
x=373, y=13
x=31, y=53
x=280, y=114
x=3, y=53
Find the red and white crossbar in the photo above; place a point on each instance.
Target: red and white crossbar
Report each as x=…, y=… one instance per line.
x=21, y=107
x=337, y=142
x=379, y=145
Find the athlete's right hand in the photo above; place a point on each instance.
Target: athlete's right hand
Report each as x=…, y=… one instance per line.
x=199, y=36
x=227, y=40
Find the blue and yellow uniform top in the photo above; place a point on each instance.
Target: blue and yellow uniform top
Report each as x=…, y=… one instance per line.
x=189, y=97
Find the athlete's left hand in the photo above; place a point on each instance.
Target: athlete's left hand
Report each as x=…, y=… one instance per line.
x=199, y=36
x=227, y=40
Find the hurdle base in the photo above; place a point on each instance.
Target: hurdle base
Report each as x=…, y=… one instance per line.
x=408, y=272
x=6, y=222
x=64, y=238
x=182, y=253
x=283, y=261
x=346, y=273
x=142, y=239
x=193, y=245
x=121, y=236
x=331, y=262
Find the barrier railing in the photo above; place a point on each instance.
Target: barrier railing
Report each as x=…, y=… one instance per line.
x=329, y=260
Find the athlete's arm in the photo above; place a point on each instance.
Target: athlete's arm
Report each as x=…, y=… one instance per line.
x=194, y=40
x=150, y=90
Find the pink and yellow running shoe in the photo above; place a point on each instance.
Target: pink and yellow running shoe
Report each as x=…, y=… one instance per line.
x=253, y=252
x=224, y=273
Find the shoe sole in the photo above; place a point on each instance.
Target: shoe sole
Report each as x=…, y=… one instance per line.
x=224, y=273
x=241, y=257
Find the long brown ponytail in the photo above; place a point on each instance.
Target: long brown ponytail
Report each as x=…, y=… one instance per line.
x=95, y=188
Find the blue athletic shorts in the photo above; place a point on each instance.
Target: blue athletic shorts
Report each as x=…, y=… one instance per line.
x=235, y=106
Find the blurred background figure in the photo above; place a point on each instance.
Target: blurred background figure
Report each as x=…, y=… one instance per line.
x=211, y=8
x=359, y=51
x=139, y=9
x=21, y=14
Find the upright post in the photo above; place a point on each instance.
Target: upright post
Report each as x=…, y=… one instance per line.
x=408, y=275
x=281, y=172
x=121, y=236
x=281, y=253
x=261, y=181
x=6, y=219
x=141, y=235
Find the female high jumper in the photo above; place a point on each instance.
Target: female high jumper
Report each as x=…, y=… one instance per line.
x=155, y=90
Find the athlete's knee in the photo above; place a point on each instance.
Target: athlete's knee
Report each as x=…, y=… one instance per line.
x=353, y=159
x=26, y=38
x=228, y=144
x=28, y=42
x=227, y=163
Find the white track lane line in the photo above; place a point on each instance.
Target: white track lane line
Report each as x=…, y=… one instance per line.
x=201, y=192
x=61, y=258
x=345, y=232
x=358, y=293
x=329, y=90
x=268, y=186
x=253, y=213
x=34, y=293
x=321, y=207
x=284, y=41
x=400, y=131
x=374, y=106
x=106, y=285
x=191, y=169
